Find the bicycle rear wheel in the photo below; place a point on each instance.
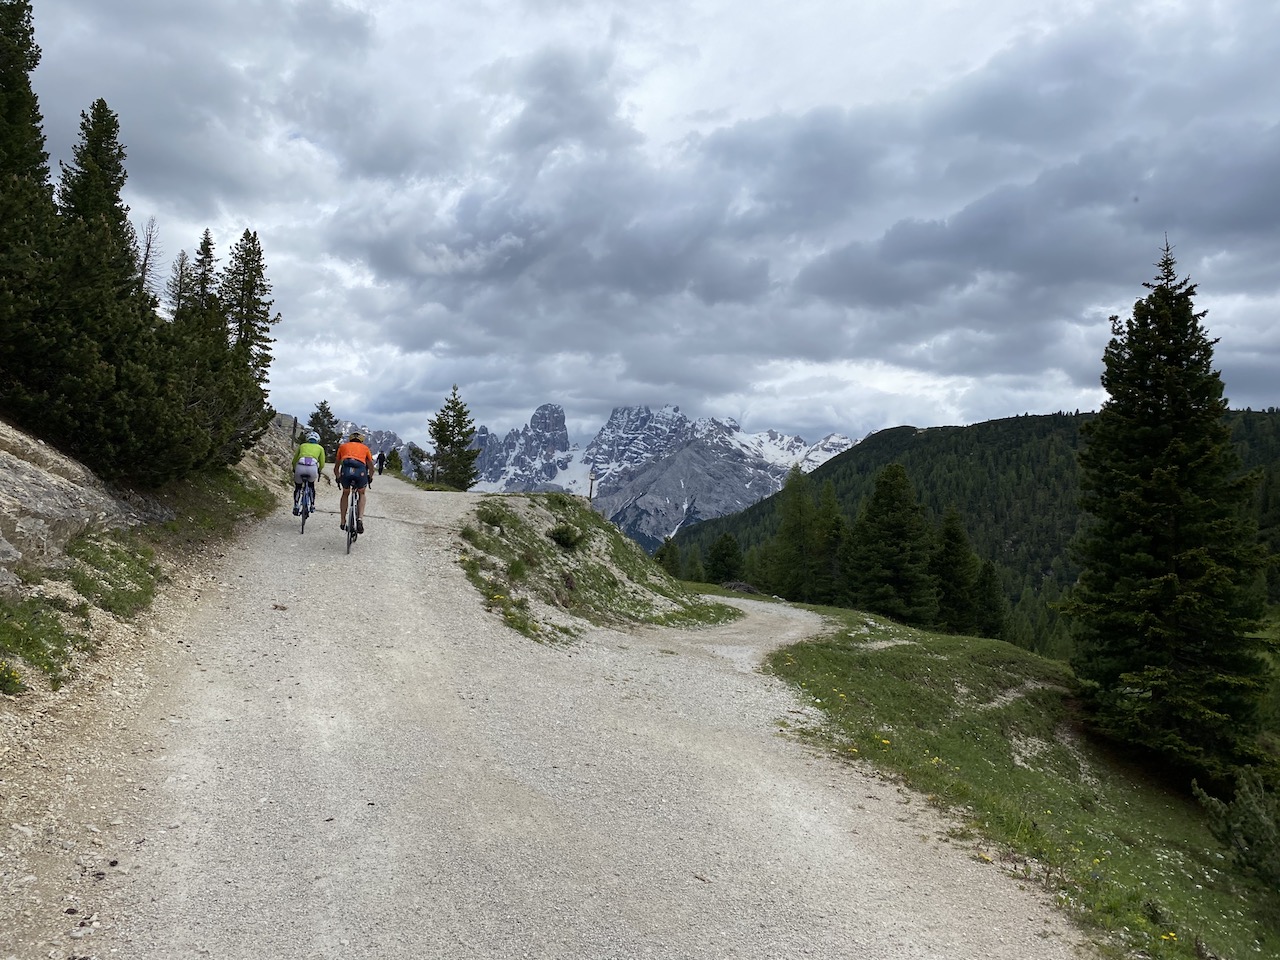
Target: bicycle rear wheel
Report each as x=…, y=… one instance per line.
x=353, y=511
x=306, y=508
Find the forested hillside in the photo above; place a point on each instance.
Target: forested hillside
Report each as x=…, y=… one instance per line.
x=1015, y=485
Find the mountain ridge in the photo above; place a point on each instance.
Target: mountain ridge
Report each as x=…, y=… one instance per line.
x=650, y=471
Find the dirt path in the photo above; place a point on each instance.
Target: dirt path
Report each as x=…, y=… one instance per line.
x=343, y=757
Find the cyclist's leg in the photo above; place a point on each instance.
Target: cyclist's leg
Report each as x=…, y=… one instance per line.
x=342, y=510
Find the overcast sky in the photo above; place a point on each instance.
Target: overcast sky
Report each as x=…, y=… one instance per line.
x=809, y=215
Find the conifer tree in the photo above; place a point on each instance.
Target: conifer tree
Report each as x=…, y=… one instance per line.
x=889, y=551
x=796, y=557
x=196, y=340
x=29, y=334
x=394, y=463
x=323, y=422
x=724, y=559
x=111, y=408
x=830, y=533
x=667, y=557
x=992, y=606
x=452, y=430
x=243, y=293
x=955, y=569
x=1167, y=601
x=693, y=567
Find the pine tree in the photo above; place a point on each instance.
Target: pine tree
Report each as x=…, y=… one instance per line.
x=693, y=568
x=394, y=463
x=29, y=330
x=667, y=557
x=992, y=606
x=113, y=407
x=889, y=551
x=955, y=569
x=724, y=559
x=323, y=422
x=1168, y=595
x=196, y=341
x=830, y=533
x=243, y=292
x=452, y=430
x=796, y=556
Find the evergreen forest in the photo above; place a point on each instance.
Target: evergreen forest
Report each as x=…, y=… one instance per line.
x=143, y=380
x=1015, y=487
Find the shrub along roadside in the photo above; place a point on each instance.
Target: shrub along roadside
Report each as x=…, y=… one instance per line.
x=117, y=572
x=988, y=732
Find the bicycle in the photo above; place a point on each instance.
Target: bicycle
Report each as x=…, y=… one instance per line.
x=353, y=512
x=307, y=503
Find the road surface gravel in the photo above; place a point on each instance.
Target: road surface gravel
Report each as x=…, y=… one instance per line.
x=332, y=756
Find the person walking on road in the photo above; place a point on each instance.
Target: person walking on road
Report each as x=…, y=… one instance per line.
x=382, y=461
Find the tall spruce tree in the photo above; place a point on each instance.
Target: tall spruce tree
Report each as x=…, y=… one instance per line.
x=29, y=333
x=667, y=556
x=451, y=430
x=196, y=340
x=724, y=559
x=1167, y=601
x=796, y=559
x=244, y=295
x=323, y=422
x=992, y=606
x=110, y=409
x=955, y=569
x=888, y=554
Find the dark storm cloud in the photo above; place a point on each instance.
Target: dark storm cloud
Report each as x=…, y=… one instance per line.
x=583, y=203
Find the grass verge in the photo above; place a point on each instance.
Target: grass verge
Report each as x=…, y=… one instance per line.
x=551, y=548
x=987, y=731
x=118, y=572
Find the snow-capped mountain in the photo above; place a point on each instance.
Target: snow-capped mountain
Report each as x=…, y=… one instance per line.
x=378, y=441
x=654, y=470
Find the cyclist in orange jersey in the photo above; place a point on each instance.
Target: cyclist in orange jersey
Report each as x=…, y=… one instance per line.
x=353, y=467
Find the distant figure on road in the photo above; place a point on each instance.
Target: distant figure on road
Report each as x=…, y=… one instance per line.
x=382, y=461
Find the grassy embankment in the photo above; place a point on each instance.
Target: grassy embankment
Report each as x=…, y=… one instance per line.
x=536, y=552
x=50, y=631
x=988, y=731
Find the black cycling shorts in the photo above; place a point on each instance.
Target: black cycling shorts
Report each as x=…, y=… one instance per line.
x=353, y=473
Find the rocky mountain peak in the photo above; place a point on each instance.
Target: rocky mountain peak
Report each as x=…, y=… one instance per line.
x=649, y=469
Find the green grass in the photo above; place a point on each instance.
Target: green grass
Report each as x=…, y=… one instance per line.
x=116, y=573
x=551, y=547
x=988, y=731
x=205, y=508
x=32, y=633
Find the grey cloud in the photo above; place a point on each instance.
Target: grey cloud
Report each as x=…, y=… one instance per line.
x=568, y=96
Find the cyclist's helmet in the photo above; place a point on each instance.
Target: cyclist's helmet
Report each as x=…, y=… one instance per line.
x=313, y=437
x=356, y=437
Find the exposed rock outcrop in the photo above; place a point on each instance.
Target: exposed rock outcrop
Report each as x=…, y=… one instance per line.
x=47, y=500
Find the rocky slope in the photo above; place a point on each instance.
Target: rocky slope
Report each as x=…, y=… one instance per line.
x=48, y=500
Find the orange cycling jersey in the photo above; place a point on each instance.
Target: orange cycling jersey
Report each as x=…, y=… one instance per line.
x=353, y=450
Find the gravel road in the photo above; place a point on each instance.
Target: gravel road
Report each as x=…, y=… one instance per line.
x=331, y=756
